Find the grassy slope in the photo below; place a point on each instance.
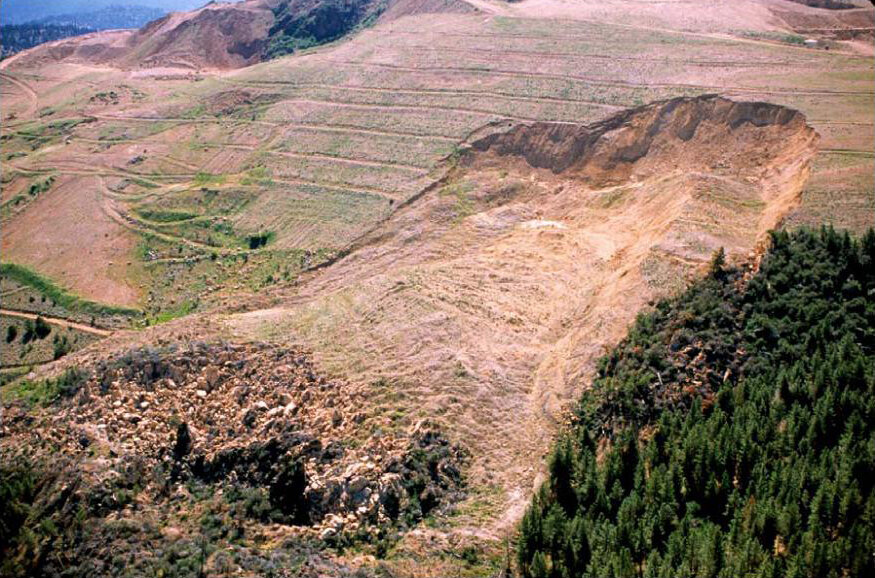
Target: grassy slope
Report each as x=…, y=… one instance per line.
x=25, y=276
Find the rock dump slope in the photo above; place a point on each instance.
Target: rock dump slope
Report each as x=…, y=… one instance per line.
x=154, y=437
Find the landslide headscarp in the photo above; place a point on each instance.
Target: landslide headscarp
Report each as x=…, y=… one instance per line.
x=681, y=133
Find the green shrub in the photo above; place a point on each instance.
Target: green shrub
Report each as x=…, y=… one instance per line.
x=45, y=391
x=40, y=186
x=60, y=346
x=260, y=240
x=41, y=328
x=17, y=491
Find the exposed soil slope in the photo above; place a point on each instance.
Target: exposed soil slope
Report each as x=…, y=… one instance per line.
x=485, y=302
x=215, y=36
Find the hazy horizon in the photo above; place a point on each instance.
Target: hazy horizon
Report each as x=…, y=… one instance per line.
x=21, y=11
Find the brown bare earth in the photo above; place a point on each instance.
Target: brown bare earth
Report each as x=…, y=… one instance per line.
x=486, y=301
x=219, y=35
x=64, y=234
x=452, y=213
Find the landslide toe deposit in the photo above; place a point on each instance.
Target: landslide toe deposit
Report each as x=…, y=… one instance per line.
x=484, y=303
x=145, y=454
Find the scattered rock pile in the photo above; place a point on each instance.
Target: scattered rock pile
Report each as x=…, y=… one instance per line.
x=255, y=424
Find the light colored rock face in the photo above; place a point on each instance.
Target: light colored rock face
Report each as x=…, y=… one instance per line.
x=492, y=325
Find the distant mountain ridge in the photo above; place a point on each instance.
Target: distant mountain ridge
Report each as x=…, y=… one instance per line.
x=109, y=18
x=17, y=37
x=25, y=11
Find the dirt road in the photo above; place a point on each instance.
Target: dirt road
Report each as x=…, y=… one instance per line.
x=57, y=321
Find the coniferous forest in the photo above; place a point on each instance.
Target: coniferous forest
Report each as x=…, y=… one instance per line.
x=18, y=37
x=732, y=433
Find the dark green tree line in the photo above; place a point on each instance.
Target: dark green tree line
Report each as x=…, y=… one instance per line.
x=731, y=433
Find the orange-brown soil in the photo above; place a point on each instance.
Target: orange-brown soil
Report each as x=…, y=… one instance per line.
x=485, y=302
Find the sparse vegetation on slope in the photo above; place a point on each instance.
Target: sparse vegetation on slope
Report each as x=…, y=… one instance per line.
x=730, y=434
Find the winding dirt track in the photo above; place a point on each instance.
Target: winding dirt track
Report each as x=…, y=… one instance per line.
x=60, y=322
x=32, y=97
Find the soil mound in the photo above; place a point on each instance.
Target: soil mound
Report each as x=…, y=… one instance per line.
x=215, y=36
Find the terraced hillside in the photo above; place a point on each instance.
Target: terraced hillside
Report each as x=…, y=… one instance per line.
x=314, y=150
x=455, y=211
